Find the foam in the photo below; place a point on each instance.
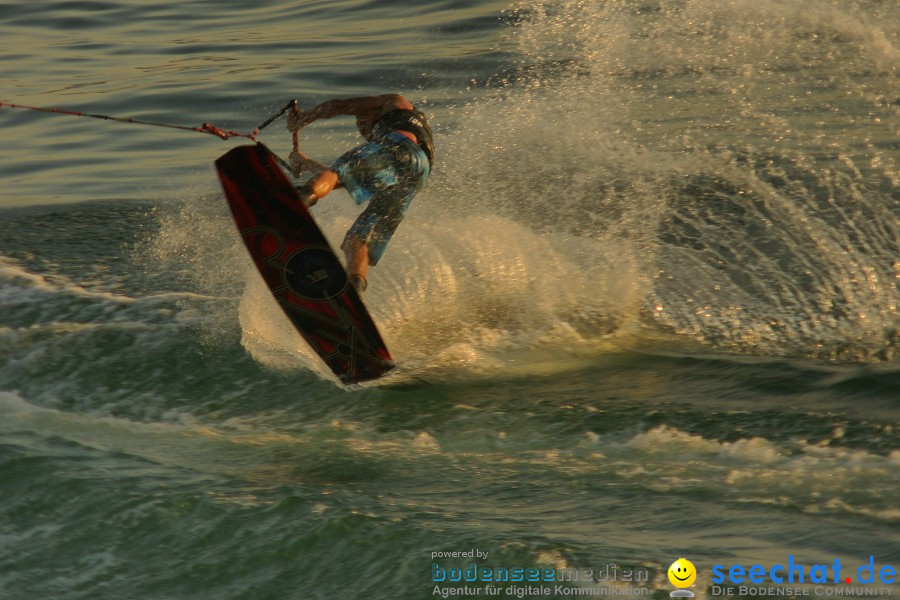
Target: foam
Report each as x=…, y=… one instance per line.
x=19, y=282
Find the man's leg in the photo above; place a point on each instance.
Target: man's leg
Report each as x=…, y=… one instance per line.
x=357, y=253
x=318, y=187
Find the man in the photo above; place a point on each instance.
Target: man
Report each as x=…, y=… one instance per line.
x=386, y=171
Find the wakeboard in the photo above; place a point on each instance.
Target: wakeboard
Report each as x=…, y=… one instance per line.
x=299, y=266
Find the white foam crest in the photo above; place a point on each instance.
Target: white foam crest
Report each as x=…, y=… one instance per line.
x=665, y=440
x=409, y=445
x=816, y=476
x=23, y=282
x=169, y=443
x=674, y=442
x=19, y=281
x=235, y=449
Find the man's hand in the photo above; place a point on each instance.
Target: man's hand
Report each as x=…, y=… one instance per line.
x=297, y=160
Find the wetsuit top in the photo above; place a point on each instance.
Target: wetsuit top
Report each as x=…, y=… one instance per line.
x=413, y=121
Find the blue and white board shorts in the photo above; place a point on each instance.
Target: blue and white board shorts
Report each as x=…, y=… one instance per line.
x=386, y=173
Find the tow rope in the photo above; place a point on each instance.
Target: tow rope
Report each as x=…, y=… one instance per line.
x=209, y=128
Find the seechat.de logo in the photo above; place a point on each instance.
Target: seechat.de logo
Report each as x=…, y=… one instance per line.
x=795, y=572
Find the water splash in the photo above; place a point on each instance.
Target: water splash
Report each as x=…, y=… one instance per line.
x=740, y=154
x=724, y=173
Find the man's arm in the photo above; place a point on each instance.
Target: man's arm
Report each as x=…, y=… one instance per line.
x=368, y=107
x=302, y=163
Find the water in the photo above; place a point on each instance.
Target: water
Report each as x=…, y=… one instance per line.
x=646, y=307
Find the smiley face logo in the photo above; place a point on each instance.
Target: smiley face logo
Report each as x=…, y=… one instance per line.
x=682, y=573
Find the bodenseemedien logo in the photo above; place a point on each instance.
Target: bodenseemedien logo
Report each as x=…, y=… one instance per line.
x=682, y=574
x=528, y=582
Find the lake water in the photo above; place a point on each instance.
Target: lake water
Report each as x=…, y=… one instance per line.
x=646, y=307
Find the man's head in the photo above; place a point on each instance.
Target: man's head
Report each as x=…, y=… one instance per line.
x=365, y=120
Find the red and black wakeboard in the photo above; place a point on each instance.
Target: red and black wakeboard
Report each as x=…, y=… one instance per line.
x=299, y=266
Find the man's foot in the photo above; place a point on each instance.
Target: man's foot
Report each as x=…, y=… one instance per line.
x=358, y=282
